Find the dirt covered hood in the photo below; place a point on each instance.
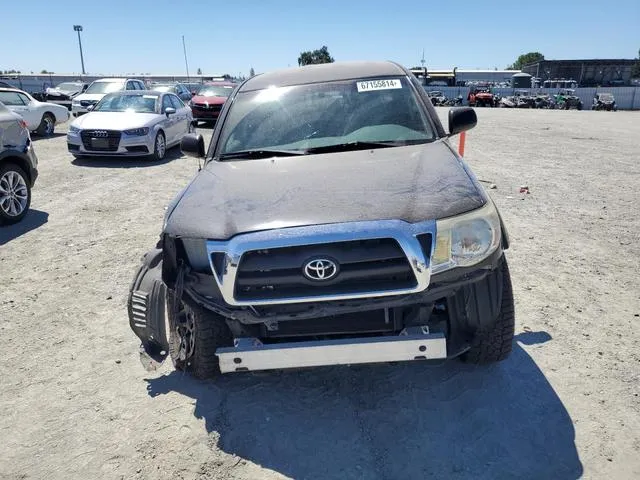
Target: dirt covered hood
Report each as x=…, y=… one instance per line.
x=411, y=183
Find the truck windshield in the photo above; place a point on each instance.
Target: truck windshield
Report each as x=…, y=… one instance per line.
x=317, y=117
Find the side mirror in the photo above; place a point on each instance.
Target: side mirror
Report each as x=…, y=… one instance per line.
x=192, y=144
x=461, y=119
x=84, y=87
x=90, y=107
x=193, y=93
x=169, y=111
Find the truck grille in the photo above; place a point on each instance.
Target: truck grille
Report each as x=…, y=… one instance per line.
x=101, y=140
x=371, y=265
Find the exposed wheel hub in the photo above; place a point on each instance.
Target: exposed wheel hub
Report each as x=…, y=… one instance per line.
x=187, y=336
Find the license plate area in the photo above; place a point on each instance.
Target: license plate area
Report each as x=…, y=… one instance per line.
x=100, y=143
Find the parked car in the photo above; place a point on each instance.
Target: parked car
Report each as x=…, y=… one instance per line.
x=63, y=93
x=209, y=100
x=177, y=88
x=332, y=223
x=193, y=87
x=40, y=117
x=604, y=101
x=131, y=124
x=18, y=167
x=99, y=88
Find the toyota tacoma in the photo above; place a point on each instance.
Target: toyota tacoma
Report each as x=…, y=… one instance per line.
x=332, y=222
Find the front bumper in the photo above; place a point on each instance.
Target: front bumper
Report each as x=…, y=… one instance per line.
x=129, y=146
x=204, y=115
x=413, y=344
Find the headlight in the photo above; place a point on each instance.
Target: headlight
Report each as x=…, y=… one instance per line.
x=137, y=132
x=466, y=239
x=74, y=130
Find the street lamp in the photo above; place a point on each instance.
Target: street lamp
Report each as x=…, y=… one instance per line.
x=78, y=28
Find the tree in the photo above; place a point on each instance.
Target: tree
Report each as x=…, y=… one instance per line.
x=525, y=59
x=199, y=72
x=252, y=73
x=44, y=71
x=635, y=69
x=315, y=57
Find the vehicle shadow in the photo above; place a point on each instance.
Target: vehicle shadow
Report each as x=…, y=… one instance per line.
x=172, y=154
x=391, y=421
x=37, y=138
x=32, y=220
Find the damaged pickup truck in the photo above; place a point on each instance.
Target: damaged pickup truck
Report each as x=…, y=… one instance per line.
x=332, y=223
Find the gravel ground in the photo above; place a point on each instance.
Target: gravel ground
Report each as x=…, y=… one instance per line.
x=77, y=403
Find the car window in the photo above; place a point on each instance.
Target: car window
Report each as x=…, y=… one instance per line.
x=325, y=114
x=166, y=103
x=13, y=99
x=177, y=103
x=130, y=86
x=141, y=86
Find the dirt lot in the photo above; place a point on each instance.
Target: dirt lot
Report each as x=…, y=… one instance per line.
x=77, y=403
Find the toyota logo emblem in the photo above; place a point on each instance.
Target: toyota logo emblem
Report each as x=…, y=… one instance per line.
x=100, y=133
x=320, y=269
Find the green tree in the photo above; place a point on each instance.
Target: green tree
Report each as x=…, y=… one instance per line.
x=315, y=57
x=525, y=59
x=45, y=71
x=635, y=69
x=252, y=72
x=199, y=72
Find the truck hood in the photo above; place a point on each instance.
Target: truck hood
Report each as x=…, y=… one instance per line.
x=412, y=183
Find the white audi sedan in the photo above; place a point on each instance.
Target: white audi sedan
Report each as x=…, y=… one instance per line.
x=40, y=117
x=131, y=123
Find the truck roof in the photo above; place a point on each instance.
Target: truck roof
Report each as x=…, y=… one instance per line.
x=327, y=72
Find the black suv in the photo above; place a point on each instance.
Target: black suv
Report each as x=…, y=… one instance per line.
x=332, y=223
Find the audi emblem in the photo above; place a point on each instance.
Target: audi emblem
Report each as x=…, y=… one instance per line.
x=100, y=134
x=320, y=269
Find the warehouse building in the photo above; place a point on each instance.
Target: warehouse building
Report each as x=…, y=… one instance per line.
x=586, y=73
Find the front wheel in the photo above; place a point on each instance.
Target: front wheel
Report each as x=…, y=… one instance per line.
x=160, y=147
x=494, y=343
x=47, y=125
x=15, y=194
x=195, y=335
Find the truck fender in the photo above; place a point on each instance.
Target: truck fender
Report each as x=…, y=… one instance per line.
x=146, y=307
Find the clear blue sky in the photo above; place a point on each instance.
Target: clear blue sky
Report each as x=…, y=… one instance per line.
x=232, y=36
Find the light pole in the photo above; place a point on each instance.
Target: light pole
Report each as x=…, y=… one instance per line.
x=78, y=28
x=186, y=64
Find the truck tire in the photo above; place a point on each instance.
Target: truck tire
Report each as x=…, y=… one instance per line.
x=206, y=332
x=494, y=343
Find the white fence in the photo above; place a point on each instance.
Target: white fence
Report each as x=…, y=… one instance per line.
x=627, y=98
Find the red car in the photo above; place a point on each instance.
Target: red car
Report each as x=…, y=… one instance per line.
x=207, y=103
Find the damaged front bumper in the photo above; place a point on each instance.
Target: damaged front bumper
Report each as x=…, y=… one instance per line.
x=471, y=297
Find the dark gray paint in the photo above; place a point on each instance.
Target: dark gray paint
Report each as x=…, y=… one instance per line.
x=413, y=183
x=331, y=72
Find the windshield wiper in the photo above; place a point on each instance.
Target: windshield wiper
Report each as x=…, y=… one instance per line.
x=351, y=146
x=262, y=153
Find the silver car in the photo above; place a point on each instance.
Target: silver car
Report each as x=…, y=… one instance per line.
x=137, y=123
x=18, y=167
